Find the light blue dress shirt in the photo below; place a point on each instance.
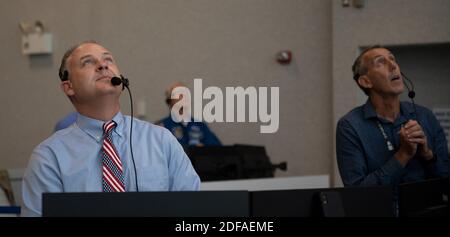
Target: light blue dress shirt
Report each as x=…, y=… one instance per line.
x=69, y=161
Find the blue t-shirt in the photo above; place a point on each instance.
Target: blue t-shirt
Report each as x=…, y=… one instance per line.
x=191, y=133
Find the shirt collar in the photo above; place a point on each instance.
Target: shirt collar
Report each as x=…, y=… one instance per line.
x=406, y=109
x=93, y=127
x=369, y=110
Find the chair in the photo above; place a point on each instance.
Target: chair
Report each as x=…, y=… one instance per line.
x=7, y=203
x=5, y=185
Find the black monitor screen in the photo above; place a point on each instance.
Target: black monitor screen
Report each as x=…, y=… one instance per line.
x=147, y=204
x=230, y=162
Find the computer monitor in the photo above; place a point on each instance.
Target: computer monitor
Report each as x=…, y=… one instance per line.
x=424, y=198
x=285, y=203
x=147, y=204
x=374, y=201
x=255, y=162
x=328, y=202
x=214, y=163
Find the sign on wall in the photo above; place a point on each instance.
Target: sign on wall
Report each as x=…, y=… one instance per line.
x=443, y=115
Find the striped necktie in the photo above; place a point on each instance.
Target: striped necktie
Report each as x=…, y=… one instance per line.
x=112, y=178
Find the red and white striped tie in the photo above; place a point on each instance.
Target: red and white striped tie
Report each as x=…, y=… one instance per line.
x=112, y=178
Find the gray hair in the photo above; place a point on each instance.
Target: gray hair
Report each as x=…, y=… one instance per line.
x=359, y=69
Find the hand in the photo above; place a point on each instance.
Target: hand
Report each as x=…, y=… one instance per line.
x=415, y=134
x=407, y=148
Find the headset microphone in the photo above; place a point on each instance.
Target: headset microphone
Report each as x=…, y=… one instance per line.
x=121, y=80
x=116, y=81
x=411, y=92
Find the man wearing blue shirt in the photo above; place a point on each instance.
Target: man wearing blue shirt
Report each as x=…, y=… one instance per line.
x=71, y=159
x=385, y=141
x=187, y=133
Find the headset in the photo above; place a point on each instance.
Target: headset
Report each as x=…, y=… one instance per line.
x=64, y=76
x=116, y=81
x=411, y=92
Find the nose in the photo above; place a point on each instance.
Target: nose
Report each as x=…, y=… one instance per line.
x=102, y=66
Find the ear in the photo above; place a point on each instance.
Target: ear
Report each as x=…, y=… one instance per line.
x=66, y=86
x=365, y=82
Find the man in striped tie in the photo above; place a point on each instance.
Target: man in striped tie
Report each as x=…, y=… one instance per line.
x=94, y=153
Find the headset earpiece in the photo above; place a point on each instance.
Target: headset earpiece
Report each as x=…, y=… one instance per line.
x=64, y=76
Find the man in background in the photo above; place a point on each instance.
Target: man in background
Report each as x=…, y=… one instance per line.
x=187, y=133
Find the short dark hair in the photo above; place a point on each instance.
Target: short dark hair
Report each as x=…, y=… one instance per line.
x=63, y=74
x=359, y=69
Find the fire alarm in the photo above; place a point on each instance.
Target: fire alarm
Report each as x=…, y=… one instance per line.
x=284, y=57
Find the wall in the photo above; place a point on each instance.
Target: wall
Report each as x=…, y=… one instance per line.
x=428, y=67
x=226, y=43
x=385, y=22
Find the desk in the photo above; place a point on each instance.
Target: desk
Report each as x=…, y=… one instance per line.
x=277, y=183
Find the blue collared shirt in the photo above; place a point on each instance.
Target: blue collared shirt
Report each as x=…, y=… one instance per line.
x=69, y=161
x=363, y=156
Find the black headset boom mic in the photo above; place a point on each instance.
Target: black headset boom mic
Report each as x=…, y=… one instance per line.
x=120, y=80
x=411, y=92
x=116, y=81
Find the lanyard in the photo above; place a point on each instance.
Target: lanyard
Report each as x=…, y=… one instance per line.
x=388, y=143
